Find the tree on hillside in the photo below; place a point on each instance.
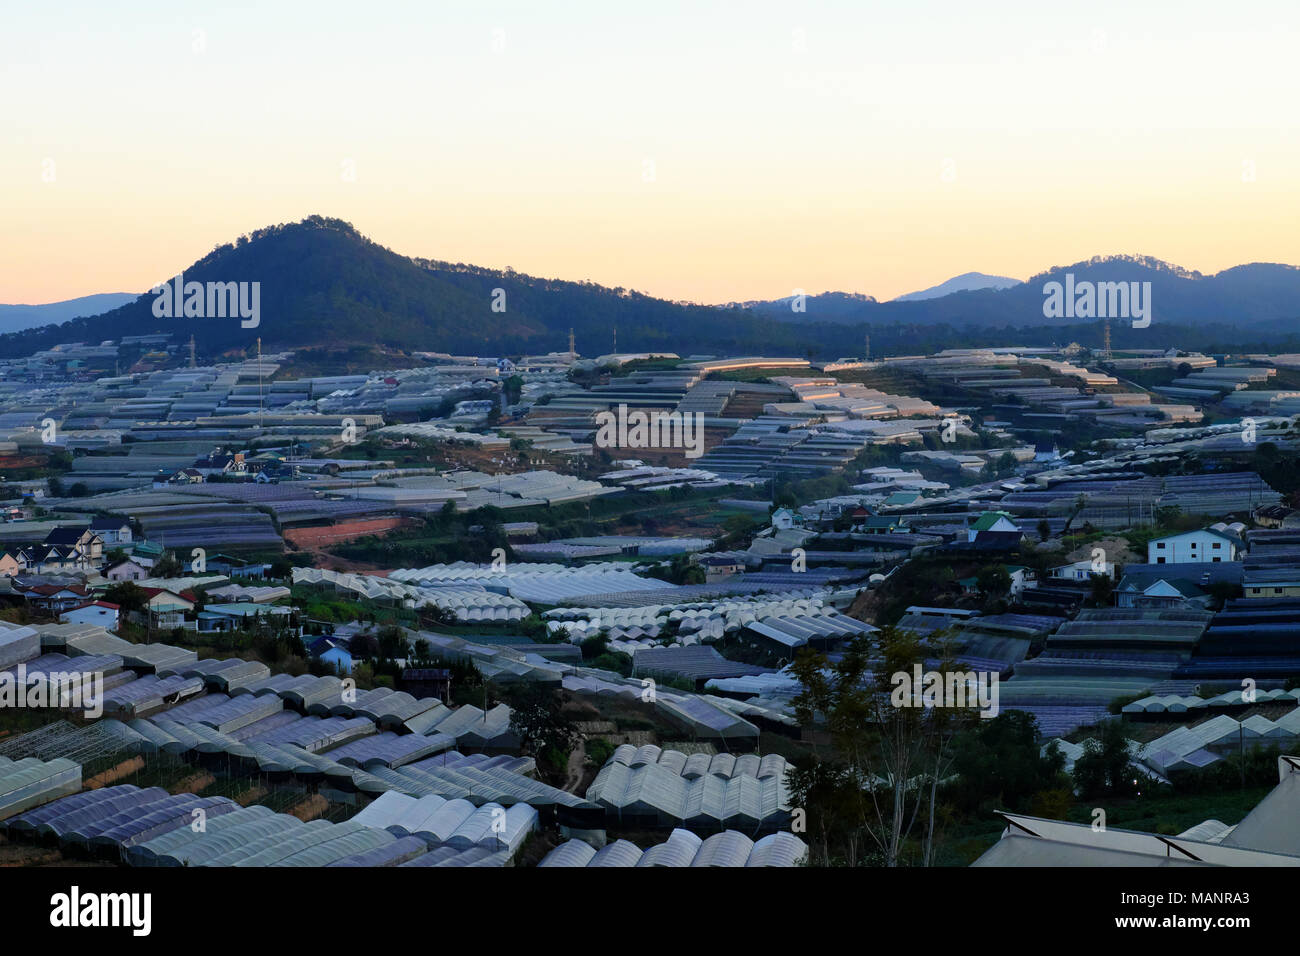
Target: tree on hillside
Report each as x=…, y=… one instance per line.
x=999, y=764
x=127, y=595
x=392, y=642
x=168, y=566
x=1103, y=767
x=363, y=645
x=1103, y=587
x=886, y=759
x=544, y=730
x=994, y=581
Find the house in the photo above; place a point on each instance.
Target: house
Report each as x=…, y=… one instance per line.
x=883, y=524
x=1046, y=451
x=82, y=538
x=717, y=567
x=996, y=541
x=115, y=532
x=146, y=553
x=127, y=570
x=902, y=499
x=1081, y=571
x=1279, y=582
x=54, y=598
x=167, y=609
x=102, y=613
x=1141, y=591
x=183, y=476
x=11, y=564
x=221, y=463
x=1021, y=577
x=1186, y=585
x=995, y=521
x=334, y=652
x=53, y=559
x=241, y=615
x=1194, y=547
x=783, y=519
x=236, y=567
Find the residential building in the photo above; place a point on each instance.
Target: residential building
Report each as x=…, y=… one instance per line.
x=127, y=570
x=334, y=652
x=883, y=524
x=102, y=613
x=221, y=463
x=783, y=519
x=1021, y=577
x=167, y=609
x=230, y=617
x=1275, y=582
x=54, y=598
x=1194, y=547
x=1082, y=570
x=114, y=531
x=718, y=567
x=53, y=559
x=995, y=521
x=91, y=544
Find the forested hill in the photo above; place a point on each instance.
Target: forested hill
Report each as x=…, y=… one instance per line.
x=323, y=283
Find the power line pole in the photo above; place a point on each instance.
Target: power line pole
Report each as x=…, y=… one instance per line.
x=259, y=384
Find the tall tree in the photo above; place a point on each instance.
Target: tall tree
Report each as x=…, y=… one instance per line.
x=887, y=757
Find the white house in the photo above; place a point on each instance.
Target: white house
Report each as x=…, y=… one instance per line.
x=114, y=531
x=783, y=519
x=101, y=613
x=334, y=652
x=1082, y=570
x=1193, y=546
x=991, y=521
x=1021, y=578
x=128, y=570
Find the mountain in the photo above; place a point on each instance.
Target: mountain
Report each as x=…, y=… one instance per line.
x=14, y=318
x=1259, y=295
x=322, y=283
x=827, y=305
x=966, y=282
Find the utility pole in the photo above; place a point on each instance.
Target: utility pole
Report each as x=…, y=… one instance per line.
x=259, y=384
x=1241, y=750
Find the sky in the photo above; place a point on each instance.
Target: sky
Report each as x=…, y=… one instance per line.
x=710, y=151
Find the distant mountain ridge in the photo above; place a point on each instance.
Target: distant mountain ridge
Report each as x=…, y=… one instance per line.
x=966, y=282
x=14, y=318
x=1256, y=294
x=324, y=284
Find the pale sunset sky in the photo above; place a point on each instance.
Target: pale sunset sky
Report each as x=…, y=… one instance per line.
x=711, y=151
